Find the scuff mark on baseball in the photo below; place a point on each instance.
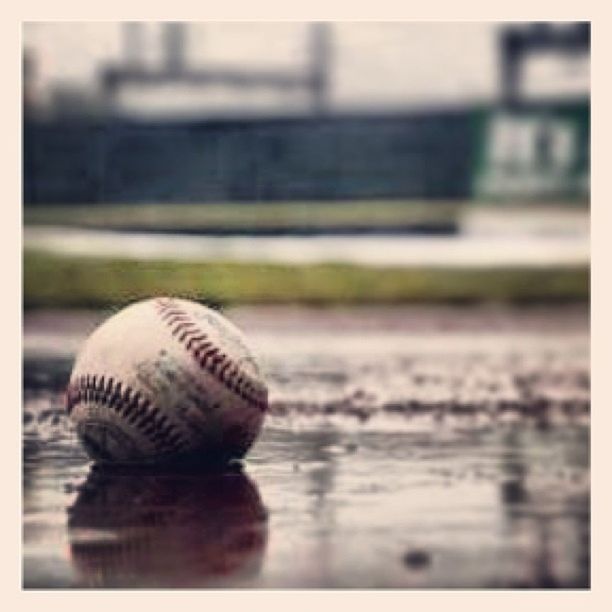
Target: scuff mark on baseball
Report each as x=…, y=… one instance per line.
x=165, y=379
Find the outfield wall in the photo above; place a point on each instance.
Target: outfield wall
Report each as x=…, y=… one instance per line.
x=426, y=155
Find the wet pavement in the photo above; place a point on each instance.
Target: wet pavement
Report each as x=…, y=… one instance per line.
x=405, y=447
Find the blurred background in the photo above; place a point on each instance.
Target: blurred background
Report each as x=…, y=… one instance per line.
x=398, y=145
x=397, y=216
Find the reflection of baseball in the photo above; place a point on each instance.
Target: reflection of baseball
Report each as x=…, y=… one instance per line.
x=135, y=527
x=163, y=379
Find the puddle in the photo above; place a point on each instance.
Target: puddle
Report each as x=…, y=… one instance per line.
x=394, y=458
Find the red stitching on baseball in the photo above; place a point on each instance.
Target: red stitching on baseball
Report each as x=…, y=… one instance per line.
x=130, y=405
x=210, y=357
x=196, y=339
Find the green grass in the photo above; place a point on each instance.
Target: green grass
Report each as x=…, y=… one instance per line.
x=57, y=281
x=202, y=217
x=177, y=217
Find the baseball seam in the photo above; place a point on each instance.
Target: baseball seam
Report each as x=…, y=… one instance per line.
x=130, y=405
x=209, y=357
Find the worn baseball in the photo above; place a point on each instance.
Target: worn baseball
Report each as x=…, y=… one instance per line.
x=165, y=379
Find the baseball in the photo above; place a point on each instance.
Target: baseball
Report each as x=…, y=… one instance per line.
x=165, y=379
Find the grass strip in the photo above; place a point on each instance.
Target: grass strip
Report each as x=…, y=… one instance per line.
x=210, y=216
x=66, y=281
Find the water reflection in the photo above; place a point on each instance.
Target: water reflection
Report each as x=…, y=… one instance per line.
x=544, y=511
x=140, y=529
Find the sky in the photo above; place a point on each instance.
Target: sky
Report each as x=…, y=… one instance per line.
x=392, y=64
